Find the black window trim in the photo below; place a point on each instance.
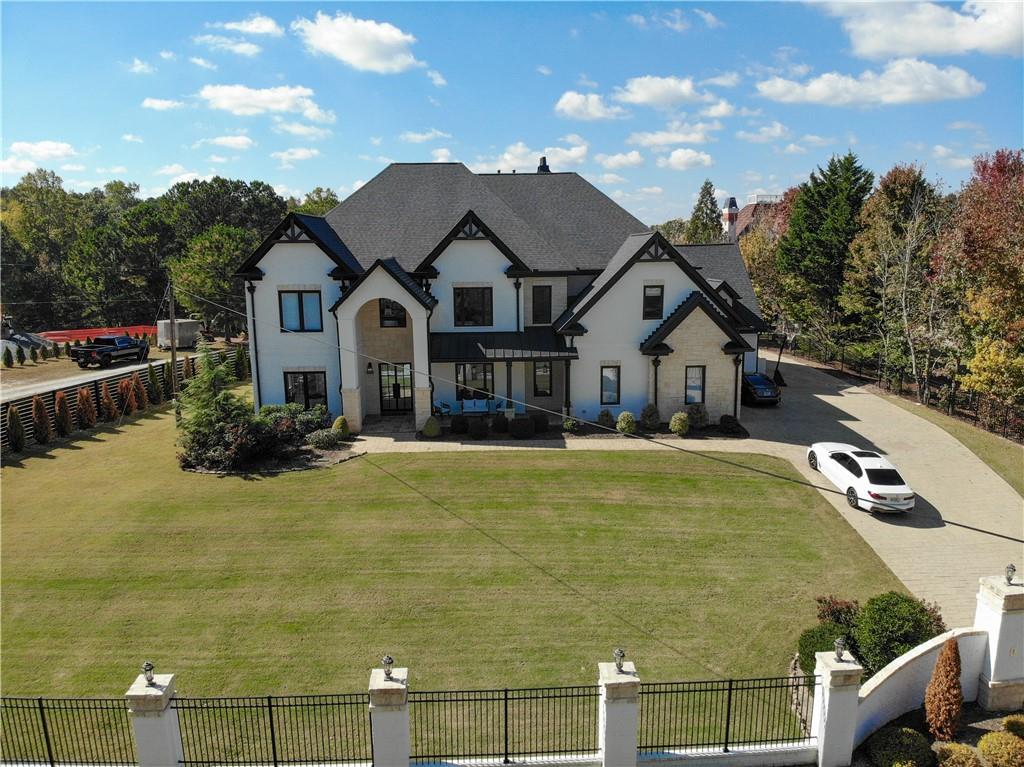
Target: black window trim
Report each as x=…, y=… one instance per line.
x=380, y=308
x=703, y=384
x=533, y=308
x=460, y=367
x=661, y=303
x=305, y=384
x=551, y=380
x=618, y=384
x=302, y=312
x=489, y=306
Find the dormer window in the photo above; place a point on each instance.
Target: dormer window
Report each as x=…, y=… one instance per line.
x=654, y=302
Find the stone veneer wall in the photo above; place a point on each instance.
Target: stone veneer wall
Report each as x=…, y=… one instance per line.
x=697, y=341
x=392, y=344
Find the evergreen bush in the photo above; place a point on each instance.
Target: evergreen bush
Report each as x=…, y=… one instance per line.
x=698, y=415
x=41, y=428
x=166, y=381
x=325, y=439
x=44, y=353
x=820, y=638
x=650, y=418
x=62, y=420
x=155, y=388
x=34, y=354
x=78, y=342
x=56, y=350
x=310, y=420
x=8, y=357
x=88, y=340
x=944, y=698
x=108, y=409
x=239, y=364
x=431, y=428
x=570, y=425
x=1014, y=723
x=15, y=431
x=19, y=354
x=86, y=409
x=139, y=389
x=460, y=424
x=626, y=423
x=188, y=369
x=521, y=428
x=540, y=422
x=127, y=394
x=899, y=747
x=499, y=424
x=67, y=349
x=340, y=425
x=478, y=428
x=889, y=625
x=1002, y=749
x=606, y=419
x=729, y=424
x=957, y=755
x=679, y=424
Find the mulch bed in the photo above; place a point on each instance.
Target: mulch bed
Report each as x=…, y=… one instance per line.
x=302, y=459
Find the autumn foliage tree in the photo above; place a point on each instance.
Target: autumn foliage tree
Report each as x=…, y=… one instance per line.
x=41, y=428
x=108, y=409
x=15, y=431
x=944, y=698
x=62, y=415
x=127, y=393
x=86, y=409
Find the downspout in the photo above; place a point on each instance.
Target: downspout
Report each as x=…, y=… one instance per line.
x=737, y=360
x=337, y=336
x=657, y=364
x=568, y=378
x=517, y=285
x=255, y=344
x=430, y=362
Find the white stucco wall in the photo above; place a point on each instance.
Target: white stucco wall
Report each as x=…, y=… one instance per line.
x=294, y=266
x=475, y=263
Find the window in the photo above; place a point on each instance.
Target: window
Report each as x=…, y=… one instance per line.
x=392, y=314
x=654, y=302
x=300, y=311
x=609, y=384
x=885, y=477
x=541, y=379
x=474, y=380
x=473, y=307
x=694, y=384
x=308, y=389
x=541, y=305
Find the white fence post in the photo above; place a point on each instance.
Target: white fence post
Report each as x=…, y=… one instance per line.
x=389, y=717
x=619, y=710
x=154, y=722
x=834, y=722
x=1000, y=612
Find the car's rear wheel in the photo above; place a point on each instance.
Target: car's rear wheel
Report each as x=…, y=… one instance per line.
x=105, y=361
x=812, y=460
x=851, y=498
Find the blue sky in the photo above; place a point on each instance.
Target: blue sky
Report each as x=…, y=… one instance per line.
x=647, y=100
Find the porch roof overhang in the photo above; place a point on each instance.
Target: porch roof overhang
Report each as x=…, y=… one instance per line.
x=532, y=344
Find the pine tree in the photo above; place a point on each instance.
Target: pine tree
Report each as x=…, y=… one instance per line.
x=944, y=699
x=705, y=224
x=86, y=409
x=239, y=364
x=127, y=393
x=41, y=428
x=34, y=354
x=187, y=369
x=168, y=389
x=8, y=357
x=139, y=390
x=20, y=354
x=155, y=389
x=67, y=349
x=78, y=342
x=56, y=350
x=88, y=340
x=44, y=353
x=15, y=431
x=108, y=409
x=62, y=415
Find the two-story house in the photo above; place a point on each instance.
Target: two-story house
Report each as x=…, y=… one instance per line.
x=433, y=285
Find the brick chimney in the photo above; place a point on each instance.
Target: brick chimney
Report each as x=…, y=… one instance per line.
x=543, y=167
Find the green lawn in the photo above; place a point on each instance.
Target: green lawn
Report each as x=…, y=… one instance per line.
x=475, y=569
x=1004, y=457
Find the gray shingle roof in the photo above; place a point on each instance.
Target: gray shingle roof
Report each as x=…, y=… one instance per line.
x=722, y=261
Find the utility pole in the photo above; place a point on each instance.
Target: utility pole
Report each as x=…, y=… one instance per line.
x=174, y=341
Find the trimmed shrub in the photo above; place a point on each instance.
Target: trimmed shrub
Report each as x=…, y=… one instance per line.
x=460, y=424
x=238, y=363
x=19, y=354
x=478, y=428
x=325, y=439
x=499, y=424
x=679, y=424
x=957, y=755
x=899, y=747
x=570, y=425
x=944, y=698
x=156, y=391
x=431, y=428
x=108, y=410
x=1014, y=724
x=166, y=381
x=1002, y=749
x=188, y=368
x=56, y=350
x=67, y=349
x=34, y=354
x=15, y=431
x=730, y=424
x=820, y=638
x=650, y=418
x=835, y=610
x=626, y=423
x=540, y=422
x=313, y=419
x=62, y=420
x=127, y=394
x=521, y=428
x=889, y=625
x=606, y=419
x=698, y=415
x=8, y=357
x=340, y=425
x=41, y=428
x=44, y=353
x=139, y=389
x=78, y=342
x=86, y=409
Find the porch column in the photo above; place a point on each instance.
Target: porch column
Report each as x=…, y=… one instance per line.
x=351, y=374
x=567, y=407
x=508, y=386
x=422, y=399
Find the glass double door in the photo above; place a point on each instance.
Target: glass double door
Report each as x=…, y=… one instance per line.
x=395, y=387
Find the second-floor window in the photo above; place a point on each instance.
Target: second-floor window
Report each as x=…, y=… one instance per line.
x=392, y=314
x=300, y=311
x=654, y=302
x=541, y=305
x=473, y=307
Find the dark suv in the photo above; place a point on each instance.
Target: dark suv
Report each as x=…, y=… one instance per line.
x=759, y=389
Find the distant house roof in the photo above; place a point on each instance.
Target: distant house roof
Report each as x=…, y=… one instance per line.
x=749, y=215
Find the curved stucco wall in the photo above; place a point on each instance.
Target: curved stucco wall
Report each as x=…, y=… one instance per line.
x=900, y=686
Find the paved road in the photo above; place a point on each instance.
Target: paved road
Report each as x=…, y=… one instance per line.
x=969, y=522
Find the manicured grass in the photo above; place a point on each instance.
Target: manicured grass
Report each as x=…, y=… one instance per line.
x=485, y=569
x=1004, y=457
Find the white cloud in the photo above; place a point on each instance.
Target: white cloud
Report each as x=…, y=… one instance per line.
x=17, y=165
x=289, y=191
x=586, y=106
x=654, y=91
x=610, y=178
x=312, y=132
x=131, y=138
x=519, y=156
x=199, y=61
x=950, y=157
x=140, y=67
x=903, y=81
x=637, y=20
x=412, y=137
x=629, y=159
x=710, y=20
x=770, y=132
x=676, y=132
x=813, y=140
x=238, y=142
x=231, y=45
x=724, y=80
x=684, y=159
x=170, y=170
x=363, y=44
x=794, y=149
x=161, y=105
x=584, y=81
x=113, y=169
x=376, y=140
x=256, y=24
x=675, y=21
x=442, y=154
x=217, y=158
x=243, y=100
x=168, y=55
x=73, y=167
x=543, y=70
x=965, y=125
x=288, y=157
x=650, y=190
x=878, y=30
x=436, y=78
x=43, y=151
x=189, y=176
x=720, y=108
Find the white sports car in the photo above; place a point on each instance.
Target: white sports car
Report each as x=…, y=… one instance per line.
x=869, y=480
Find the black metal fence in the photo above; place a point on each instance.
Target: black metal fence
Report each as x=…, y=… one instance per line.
x=58, y=731
x=719, y=715
x=503, y=724
x=294, y=729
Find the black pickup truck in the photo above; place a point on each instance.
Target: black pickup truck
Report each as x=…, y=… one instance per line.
x=105, y=350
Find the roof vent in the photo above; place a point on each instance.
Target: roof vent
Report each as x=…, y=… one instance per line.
x=543, y=167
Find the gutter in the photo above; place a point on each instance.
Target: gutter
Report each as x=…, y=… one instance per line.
x=255, y=345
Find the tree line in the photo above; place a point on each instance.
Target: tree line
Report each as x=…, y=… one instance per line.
x=103, y=257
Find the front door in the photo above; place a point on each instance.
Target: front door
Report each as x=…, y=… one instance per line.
x=395, y=388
